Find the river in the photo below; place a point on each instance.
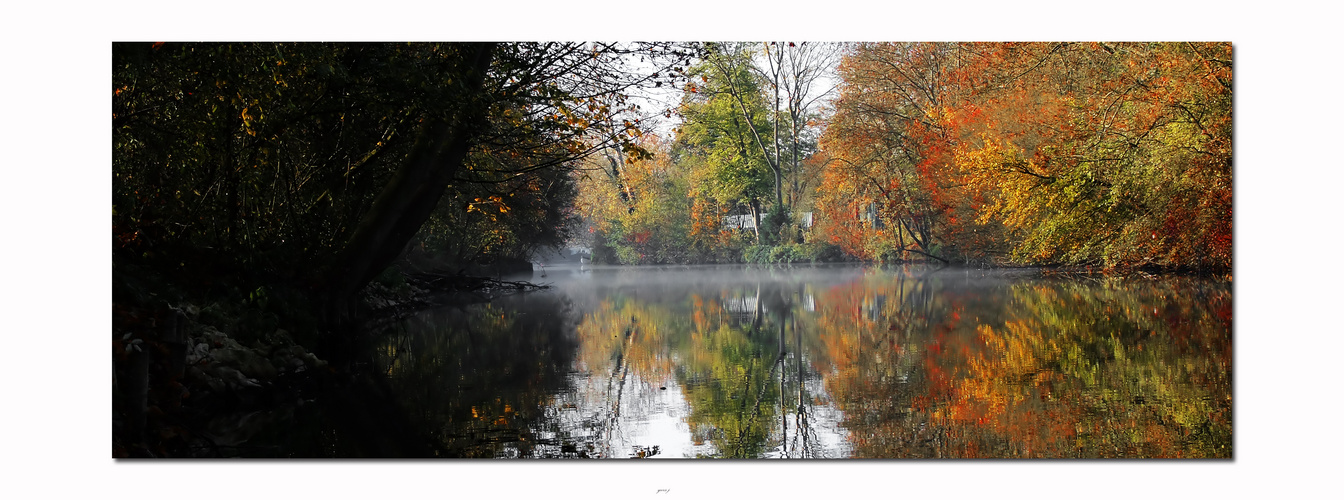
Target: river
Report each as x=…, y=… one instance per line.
x=819, y=362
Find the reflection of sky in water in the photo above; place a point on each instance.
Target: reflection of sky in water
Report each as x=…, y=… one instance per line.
x=650, y=417
x=642, y=417
x=826, y=439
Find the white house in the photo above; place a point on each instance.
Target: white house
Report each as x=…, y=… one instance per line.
x=739, y=222
x=747, y=222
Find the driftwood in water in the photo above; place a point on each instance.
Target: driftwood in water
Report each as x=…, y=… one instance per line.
x=435, y=288
x=444, y=282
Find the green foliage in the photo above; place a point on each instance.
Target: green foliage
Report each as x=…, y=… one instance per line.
x=757, y=254
x=733, y=397
x=886, y=250
x=671, y=207
x=775, y=225
x=718, y=138
x=793, y=253
x=603, y=252
x=826, y=252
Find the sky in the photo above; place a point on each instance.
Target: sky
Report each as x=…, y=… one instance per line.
x=656, y=100
x=55, y=203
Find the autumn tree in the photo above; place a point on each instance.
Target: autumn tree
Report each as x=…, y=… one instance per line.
x=638, y=209
x=1060, y=152
x=1114, y=154
x=888, y=184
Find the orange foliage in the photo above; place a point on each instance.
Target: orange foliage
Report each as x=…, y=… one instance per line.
x=1083, y=153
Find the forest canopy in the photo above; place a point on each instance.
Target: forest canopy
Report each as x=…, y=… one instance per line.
x=1078, y=153
x=1116, y=155
x=317, y=165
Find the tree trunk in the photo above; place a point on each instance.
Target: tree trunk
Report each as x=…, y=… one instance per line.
x=410, y=197
x=756, y=218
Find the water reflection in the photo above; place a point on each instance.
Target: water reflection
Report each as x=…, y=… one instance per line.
x=480, y=380
x=730, y=362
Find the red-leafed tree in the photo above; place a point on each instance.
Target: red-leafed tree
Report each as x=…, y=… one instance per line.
x=1082, y=153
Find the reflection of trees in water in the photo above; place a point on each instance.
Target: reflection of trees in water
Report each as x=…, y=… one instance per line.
x=481, y=379
x=720, y=368
x=891, y=364
x=734, y=351
x=872, y=331
x=1047, y=369
x=796, y=403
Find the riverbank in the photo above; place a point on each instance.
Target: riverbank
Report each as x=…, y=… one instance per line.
x=813, y=253
x=183, y=386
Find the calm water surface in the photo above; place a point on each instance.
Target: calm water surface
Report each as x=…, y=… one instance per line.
x=824, y=362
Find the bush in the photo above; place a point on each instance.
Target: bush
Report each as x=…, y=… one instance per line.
x=792, y=253
x=775, y=222
x=756, y=254
x=826, y=252
x=603, y=253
